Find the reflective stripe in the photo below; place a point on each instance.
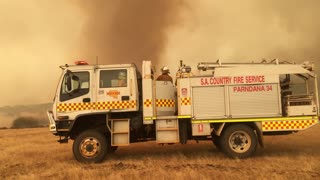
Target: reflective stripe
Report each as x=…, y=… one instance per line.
x=184, y=117
x=186, y=101
x=114, y=105
x=149, y=118
x=165, y=103
x=160, y=103
x=73, y=107
x=178, y=117
x=197, y=121
x=147, y=103
x=287, y=125
x=64, y=107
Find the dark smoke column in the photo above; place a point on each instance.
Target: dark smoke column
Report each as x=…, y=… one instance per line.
x=128, y=30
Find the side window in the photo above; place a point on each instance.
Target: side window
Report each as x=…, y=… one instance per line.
x=113, y=78
x=78, y=86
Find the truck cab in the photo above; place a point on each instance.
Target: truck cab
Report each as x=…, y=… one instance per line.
x=91, y=91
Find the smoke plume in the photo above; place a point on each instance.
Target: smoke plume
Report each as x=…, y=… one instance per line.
x=248, y=30
x=128, y=31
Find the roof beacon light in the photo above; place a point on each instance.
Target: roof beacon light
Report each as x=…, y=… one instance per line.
x=81, y=63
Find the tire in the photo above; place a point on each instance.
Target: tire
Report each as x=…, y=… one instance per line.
x=238, y=141
x=90, y=146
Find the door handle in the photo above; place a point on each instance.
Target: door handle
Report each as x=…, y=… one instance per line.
x=86, y=100
x=125, y=98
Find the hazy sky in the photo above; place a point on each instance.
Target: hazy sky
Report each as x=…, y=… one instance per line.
x=39, y=35
x=35, y=38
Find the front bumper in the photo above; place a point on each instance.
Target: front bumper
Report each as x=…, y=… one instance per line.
x=52, y=123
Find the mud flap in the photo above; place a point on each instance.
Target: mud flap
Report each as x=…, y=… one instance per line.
x=183, y=131
x=258, y=128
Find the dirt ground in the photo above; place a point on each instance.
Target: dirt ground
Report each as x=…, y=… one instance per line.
x=35, y=154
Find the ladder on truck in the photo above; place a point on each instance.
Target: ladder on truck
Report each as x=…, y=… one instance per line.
x=211, y=65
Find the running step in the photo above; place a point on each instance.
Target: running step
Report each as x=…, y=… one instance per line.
x=120, y=132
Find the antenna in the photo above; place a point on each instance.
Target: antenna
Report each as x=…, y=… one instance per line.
x=97, y=60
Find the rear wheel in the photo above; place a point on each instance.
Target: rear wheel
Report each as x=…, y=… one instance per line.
x=238, y=141
x=90, y=146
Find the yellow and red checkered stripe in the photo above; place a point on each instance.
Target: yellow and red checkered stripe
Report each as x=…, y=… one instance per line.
x=64, y=107
x=73, y=107
x=165, y=103
x=114, y=105
x=287, y=125
x=147, y=103
x=186, y=101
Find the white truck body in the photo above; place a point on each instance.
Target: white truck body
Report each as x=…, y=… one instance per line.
x=238, y=101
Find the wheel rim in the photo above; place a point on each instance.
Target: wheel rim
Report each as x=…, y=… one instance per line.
x=89, y=147
x=240, y=141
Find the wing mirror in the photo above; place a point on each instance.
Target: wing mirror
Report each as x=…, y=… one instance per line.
x=68, y=82
x=71, y=79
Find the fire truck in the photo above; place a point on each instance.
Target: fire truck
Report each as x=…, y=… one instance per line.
x=234, y=105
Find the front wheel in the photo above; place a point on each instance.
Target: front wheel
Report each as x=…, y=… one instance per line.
x=238, y=141
x=90, y=146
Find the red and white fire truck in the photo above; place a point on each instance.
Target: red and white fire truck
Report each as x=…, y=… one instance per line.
x=102, y=107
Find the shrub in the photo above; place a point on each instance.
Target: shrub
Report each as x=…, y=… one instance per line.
x=27, y=122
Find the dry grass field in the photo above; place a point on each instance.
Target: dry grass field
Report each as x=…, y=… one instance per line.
x=35, y=154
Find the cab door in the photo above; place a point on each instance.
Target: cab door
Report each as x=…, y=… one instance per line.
x=116, y=90
x=75, y=94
